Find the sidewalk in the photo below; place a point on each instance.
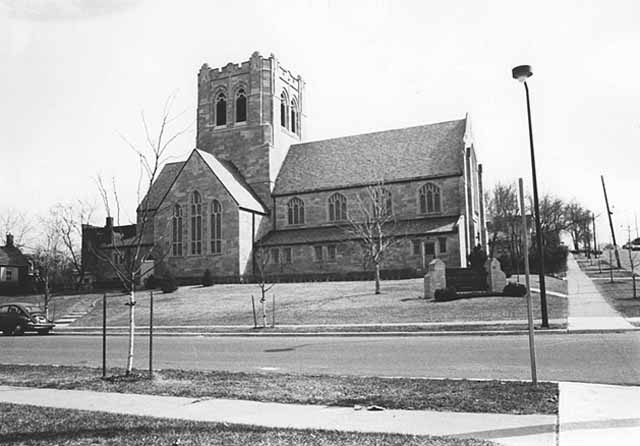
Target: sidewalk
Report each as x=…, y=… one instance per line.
x=509, y=430
x=590, y=414
x=588, y=310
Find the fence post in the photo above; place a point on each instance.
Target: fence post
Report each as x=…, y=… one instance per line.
x=273, y=313
x=104, y=335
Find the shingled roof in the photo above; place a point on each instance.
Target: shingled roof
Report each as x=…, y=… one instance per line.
x=12, y=256
x=414, y=152
x=335, y=234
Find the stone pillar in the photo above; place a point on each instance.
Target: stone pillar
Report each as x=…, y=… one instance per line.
x=496, y=279
x=435, y=278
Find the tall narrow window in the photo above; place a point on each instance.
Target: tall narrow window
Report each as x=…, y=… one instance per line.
x=275, y=256
x=241, y=106
x=176, y=231
x=216, y=227
x=337, y=207
x=294, y=116
x=429, y=199
x=286, y=255
x=284, y=108
x=295, y=211
x=382, y=202
x=221, y=109
x=196, y=223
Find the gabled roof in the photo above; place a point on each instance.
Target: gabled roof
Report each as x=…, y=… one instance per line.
x=12, y=256
x=405, y=228
x=401, y=154
x=161, y=186
x=226, y=172
x=235, y=184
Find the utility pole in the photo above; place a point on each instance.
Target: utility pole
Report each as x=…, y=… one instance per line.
x=633, y=272
x=525, y=243
x=595, y=242
x=609, y=213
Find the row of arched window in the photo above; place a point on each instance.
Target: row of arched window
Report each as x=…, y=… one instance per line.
x=289, y=113
x=219, y=108
x=429, y=202
x=195, y=227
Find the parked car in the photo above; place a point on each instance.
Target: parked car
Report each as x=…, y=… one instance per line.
x=17, y=318
x=634, y=245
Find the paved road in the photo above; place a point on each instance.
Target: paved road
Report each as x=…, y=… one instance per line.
x=597, y=358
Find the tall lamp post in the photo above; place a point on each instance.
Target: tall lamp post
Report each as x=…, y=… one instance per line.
x=522, y=73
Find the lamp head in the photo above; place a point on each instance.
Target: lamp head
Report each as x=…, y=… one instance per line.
x=522, y=72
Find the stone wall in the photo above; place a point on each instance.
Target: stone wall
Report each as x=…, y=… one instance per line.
x=404, y=198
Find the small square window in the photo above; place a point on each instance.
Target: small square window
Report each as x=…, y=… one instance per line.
x=286, y=255
x=429, y=249
x=275, y=256
x=331, y=253
x=9, y=275
x=318, y=253
x=417, y=247
x=442, y=244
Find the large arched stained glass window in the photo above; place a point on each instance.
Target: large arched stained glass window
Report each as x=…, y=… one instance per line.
x=216, y=227
x=337, y=207
x=241, y=106
x=295, y=211
x=176, y=231
x=221, y=109
x=429, y=199
x=196, y=223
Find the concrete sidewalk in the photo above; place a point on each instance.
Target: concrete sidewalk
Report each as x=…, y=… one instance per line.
x=510, y=430
x=588, y=310
x=590, y=414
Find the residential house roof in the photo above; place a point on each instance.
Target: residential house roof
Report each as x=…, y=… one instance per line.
x=400, y=154
x=12, y=256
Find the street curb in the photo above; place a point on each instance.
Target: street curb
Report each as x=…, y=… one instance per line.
x=352, y=333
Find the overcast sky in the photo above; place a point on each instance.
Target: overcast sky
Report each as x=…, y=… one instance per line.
x=76, y=74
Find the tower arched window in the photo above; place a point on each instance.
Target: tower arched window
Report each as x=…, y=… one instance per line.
x=429, y=199
x=294, y=116
x=284, y=109
x=221, y=109
x=295, y=211
x=216, y=227
x=176, y=231
x=196, y=223
x=241, y=106
x=337, y=207
x=382, y=202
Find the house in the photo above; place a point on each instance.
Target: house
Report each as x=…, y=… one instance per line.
x=15, y=268
x=254, y=183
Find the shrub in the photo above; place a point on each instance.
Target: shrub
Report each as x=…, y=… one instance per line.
x=150, y=282
x=445, y=294
x=514, y=290
x=207, y=278
x=169, y=284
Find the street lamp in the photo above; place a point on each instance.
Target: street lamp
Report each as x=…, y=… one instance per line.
x=522, y=73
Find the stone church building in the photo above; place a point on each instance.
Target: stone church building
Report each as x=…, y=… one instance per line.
x=254, y=185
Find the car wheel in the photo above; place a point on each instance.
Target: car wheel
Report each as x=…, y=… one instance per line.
x=18, y=330
x=43, y=332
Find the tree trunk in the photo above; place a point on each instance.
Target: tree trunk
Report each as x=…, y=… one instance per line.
x=132, y=328
x=377, y=278
x=46, y=297
x=264, y=310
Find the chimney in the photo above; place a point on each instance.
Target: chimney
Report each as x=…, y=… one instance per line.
x=109, y=230
x=9, y=239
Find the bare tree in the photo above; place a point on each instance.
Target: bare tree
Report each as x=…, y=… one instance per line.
x=128, y=253
x=68, y=220
x=262, y=258
x=49, y=258
x=372, y=225
x=504, y=215
x=17, y=223
x=578, y=224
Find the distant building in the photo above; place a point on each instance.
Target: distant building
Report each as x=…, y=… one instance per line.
x=15, y=268
x=253, y=183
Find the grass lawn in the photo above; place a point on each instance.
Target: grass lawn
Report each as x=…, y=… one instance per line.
x=392, y=393
x=618, y=294
x=22, y=425
x=316, y=303
x=59, y=305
